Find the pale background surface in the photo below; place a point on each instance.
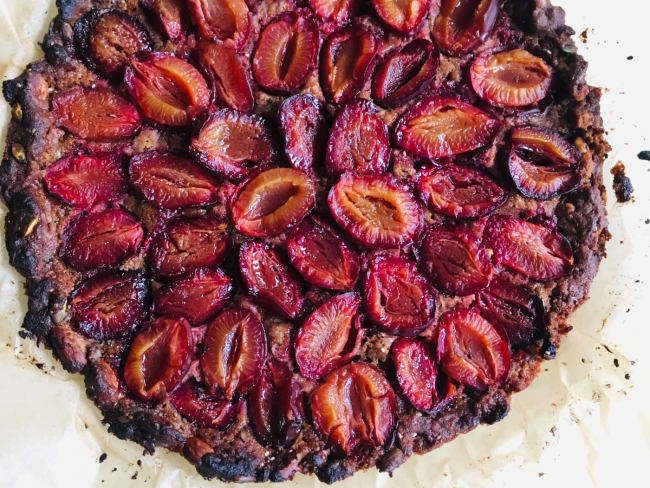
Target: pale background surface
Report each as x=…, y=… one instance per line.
x=581, y=424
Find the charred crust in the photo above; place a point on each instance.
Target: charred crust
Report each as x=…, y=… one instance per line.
x=70, y=9
x=11, y=89
x=226, y=468
x=38, y=320
x=142, y=427
x=22, y=253
x=333, y=471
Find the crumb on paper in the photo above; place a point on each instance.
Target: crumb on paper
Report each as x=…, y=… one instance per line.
x=103, y=457
x=622, y=184
x=644, y=155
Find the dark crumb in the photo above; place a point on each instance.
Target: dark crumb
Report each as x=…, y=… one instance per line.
x=627, y=376
x=630, y=58
x=135, y=476
x=645, y=155
x=113, y=470
x=23, y=334
x=103, y=457
x=39, y=365
x=616, y=362
x=583, y=35
x=139, y=462
x=540, y=474
x=622, y=184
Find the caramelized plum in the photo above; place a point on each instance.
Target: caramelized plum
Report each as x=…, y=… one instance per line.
x=101, y=240
x=400, y=16
x=304, y=128
x=330, y=337
x=228, y=81
x=198, y=296
x=167, y=89
x=193, y=403
x=511, y=78
x=186, y=244
x=106, y=39
x=455, y=261
x=233, y=143
x=170, y=181
x=405, y=73
x=541, y=163
x=358, y=141
x=337, y=11
x=109, y=305
x=355, y=407
x=269, y=280
x=534, y=250
x=235, y=352
x=471, y=351
x=286, y=52
x=514, y=309
x=321, y=256
x=272, y=201
x=461, y=192
x=398, y=298
x=275, y=405
x=418, y=377
x=226, y=20
x=159, y=358
x=375, y=210
x=169, y=17
x=95, y=114
x=346, y=61
x=444, y=126
x=463, y=25
x=83, y=180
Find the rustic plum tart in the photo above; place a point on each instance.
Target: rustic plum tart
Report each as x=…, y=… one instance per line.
x=306, y=236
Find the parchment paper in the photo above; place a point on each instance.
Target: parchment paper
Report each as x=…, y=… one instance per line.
x=585, y=421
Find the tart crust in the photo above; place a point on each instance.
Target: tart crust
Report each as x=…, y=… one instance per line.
x=36, y=221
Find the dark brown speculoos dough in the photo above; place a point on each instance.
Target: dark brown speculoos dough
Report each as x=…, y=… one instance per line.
x=36, y=220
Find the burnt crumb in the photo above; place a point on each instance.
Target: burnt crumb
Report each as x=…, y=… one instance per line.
x=39, y=365
x=139, y=463
x=113, y=470
x=135, y=476
x=333, y=472
x=622, y=184
x=630, y=58
x=226, y=468
x=103, y=457
x=616, y=362
x=627, y=376
x=644, y=155
x=548, y=351
x=584, y=35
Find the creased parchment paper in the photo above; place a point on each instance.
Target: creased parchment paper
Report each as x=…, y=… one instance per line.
x=585, y=422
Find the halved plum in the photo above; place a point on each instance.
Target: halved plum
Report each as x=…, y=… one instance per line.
x=95, y=114
x=418, y=377
x=193, y=403
x=83, y=180
x=355, y=407
x=460, y=192
x=275, y=405
x=358, y=141
x=471, y=351
x=455, y=260
x=337, y=11
x=321, y=256
x=541, y=163
x=227, y=79
x=405, y=73
x=233, y=143
x=159, y=357
x=101, y=240
x=346, y=61
x=272, y=201
x=330, y=336
x=169, y=17
x=198, y=296
x=110, y=305
x=304, y=128
x=444, y=126
x=375, y=210
x=167, y=89
x=186, y=244
x=463, y=25
x=171, y=181
x=514, y=78
x=398, y=298
x=226, y=20
x=234, y=353
x=402, y=16
x=533, y=250
x=514, y=309
x=106, y=39
x=286, y=52
x=269, y=279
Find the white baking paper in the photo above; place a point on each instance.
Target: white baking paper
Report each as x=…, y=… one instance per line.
x=585, y=422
